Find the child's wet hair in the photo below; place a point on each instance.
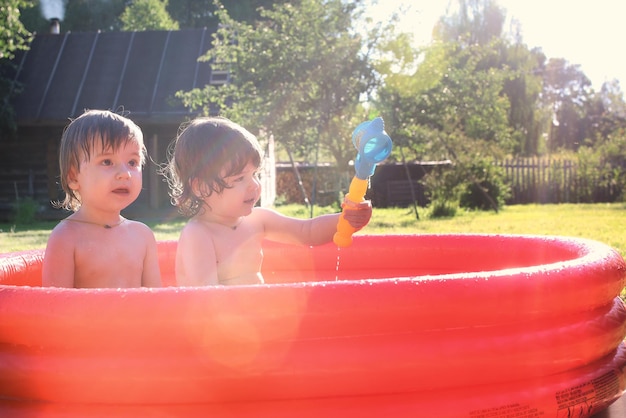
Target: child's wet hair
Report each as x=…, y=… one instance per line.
x=92, y=131
x=207, y=151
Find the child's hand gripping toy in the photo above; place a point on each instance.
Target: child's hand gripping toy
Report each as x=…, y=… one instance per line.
x=373, y=146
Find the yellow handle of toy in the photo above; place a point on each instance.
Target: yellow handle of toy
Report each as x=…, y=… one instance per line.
x=356, y=194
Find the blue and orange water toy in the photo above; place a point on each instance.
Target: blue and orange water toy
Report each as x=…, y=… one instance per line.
x=373, y=146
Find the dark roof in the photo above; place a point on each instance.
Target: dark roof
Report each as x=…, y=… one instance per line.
x=61, y=75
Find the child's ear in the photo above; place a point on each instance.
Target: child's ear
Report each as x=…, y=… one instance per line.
x=72, y=179
x=196, y=187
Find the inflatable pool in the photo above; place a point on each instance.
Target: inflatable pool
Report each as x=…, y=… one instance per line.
x=399, y=325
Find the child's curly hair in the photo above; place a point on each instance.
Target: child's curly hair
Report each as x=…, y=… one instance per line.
x=91, y=131
x=208, y=150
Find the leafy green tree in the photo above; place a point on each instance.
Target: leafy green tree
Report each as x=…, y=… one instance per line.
x=612, y=98
x=193, y=13
x=606, y=137
x=605, y=112
x=566, y=94
x=454, y=105
x=476, y=22
x=296, y=74
x=402, y=83
x=458, y=83
x=141, y=15
x=480, y=23
x=452, y=108
x=523, y=88
x=13, y=35
x=457, y=95
x=202, y=13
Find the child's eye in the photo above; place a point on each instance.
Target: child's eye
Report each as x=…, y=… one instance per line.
x=107, y=162
x=133, y=163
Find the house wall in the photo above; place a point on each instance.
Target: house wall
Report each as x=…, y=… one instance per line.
x=29, y=167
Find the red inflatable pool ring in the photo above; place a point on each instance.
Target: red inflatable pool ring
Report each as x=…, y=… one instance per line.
x=407, y=325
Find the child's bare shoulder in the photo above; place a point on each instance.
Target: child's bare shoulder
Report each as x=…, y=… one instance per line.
x=140, y=228
x=65, y=231
x=262, y=217
x=264, y=213
x=194, y=232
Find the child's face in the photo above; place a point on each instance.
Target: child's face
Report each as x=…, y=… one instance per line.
x=241, y=196
x=110, y=180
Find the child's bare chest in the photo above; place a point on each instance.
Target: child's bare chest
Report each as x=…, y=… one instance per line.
x=236, y=260
x=105, y=262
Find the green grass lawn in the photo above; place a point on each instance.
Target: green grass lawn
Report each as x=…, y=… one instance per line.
x=602, y=222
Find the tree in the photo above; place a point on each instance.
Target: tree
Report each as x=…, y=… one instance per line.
x=523, y=89
x=193, y=13
x=566, y=94
x=201, y=13
x=455, y=88
x=480, y=23
x=143, y=15
x=403, y=82
x=605, y=113
x=454, y=105
x=476, y=22
x=296, y=74
x=13, y=35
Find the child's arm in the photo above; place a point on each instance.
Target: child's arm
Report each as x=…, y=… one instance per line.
x=315, y=231
x=151, y=276
x=58, y=261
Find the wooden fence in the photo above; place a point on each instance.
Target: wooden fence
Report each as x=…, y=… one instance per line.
x=532, y=180
x=543, y=180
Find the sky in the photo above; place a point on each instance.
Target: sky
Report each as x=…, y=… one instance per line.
x=591, y=34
